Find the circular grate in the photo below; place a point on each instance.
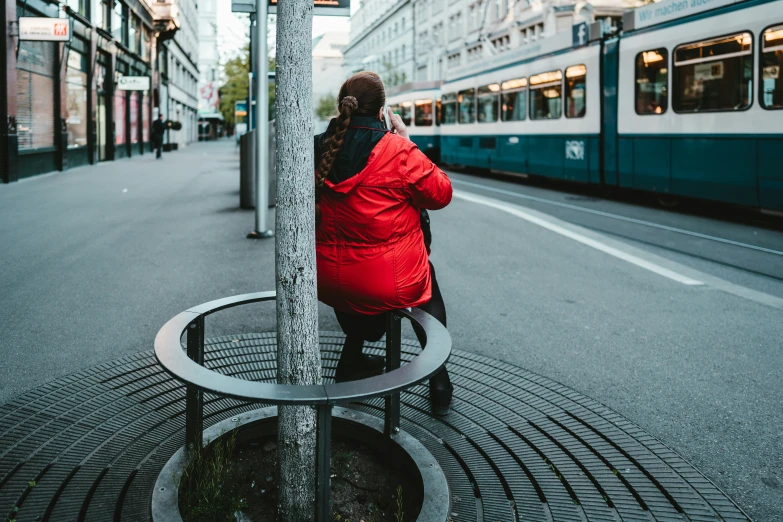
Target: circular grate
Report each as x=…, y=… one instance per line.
x=516, y=446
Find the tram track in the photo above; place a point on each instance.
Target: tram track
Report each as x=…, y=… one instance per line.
x=759, y=259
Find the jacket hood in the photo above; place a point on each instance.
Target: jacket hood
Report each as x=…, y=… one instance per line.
x=358, y=148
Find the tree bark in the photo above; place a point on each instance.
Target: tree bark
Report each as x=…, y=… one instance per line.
x=298, y=355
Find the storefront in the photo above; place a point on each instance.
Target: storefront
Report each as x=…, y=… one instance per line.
x=120, y=115
x=102, y=107
x=76, y=104
x=36, y=105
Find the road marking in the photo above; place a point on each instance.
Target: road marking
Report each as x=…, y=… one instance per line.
x=517, y=211
x=618, y=217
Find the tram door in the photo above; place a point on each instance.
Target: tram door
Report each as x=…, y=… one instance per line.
x=610, y=54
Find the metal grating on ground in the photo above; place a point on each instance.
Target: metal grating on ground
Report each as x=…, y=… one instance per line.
x=516, y=446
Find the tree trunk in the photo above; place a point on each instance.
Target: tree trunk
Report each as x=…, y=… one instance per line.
x=298, y=356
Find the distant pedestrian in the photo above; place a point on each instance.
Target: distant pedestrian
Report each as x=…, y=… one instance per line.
x=158, y=128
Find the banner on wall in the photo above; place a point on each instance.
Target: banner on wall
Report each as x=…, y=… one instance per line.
x=43, y=29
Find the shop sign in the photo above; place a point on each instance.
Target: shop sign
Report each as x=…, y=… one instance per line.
x=133, y=83
x=44, y=29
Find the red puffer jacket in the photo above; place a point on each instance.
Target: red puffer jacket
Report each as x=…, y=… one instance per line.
x=369, y=244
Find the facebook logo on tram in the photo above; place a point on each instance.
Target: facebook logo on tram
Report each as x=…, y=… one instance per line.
x=580, y=34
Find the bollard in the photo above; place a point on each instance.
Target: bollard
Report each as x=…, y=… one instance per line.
x=247, y=178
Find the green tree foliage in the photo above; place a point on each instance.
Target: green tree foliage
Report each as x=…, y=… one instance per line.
x=326, y=107
x=391, y=76
x=236, y=87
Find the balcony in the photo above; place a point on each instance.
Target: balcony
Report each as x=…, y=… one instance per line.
x=165, y=16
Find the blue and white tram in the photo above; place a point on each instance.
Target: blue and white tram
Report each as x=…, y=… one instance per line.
x=538, y=116
x=418, y=107
x=688, y=105
x=700, y=102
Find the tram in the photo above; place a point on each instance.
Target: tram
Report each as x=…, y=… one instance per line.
x=418, y=106
x=685, y=105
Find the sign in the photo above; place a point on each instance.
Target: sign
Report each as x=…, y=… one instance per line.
x=579, y=34
x=243, y=6
x=322, y=7
x=771, y=73
x=133, y=83
x=44, y=29
x=575, y=150
x=668, y=10
x=708, y=71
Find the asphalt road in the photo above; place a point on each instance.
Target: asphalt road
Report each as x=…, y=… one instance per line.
x=96, y=259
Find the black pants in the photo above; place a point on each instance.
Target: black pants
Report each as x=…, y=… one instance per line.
x=360, y=328
x=158, y=146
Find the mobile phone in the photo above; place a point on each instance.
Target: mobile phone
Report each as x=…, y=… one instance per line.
x=386, y=117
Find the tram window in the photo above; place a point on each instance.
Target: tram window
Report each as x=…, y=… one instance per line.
x=438, y=112
x=514, y=100
x=488, y=103
x=652, y=80
x=714, y=75
x=546, y=91
x=405, y=112
x=575, y=85
x=449, y=105
x=467, y=106
x=771, y=68
x=422, y=113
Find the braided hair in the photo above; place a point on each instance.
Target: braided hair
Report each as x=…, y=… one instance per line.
x=362, y=95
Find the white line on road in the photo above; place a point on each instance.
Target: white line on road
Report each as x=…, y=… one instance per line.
x=548, y=224
x=617, y=217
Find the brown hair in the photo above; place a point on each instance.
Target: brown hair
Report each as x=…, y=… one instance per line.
x=361, y=95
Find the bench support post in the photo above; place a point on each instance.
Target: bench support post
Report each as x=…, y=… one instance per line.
x=323, y=464
x=194, y=399
x=393, y=349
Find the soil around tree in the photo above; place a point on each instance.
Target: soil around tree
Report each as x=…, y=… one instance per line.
x=365, y=487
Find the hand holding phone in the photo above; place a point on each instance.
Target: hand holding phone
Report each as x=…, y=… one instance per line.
x=386, y=110
x=395, y=123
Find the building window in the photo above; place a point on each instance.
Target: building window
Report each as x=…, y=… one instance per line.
x=36, y=65
x=449, y=109
x=405, y=112
x=422, y=113
x=514, y=99
x=119, y=23
x=714, y=75
x=545, y=95
x=771, y=66
x=80, y=6
x=133, y=34
x=467, y=106
x=76, y=99
x=652, y=80
x=575, y=85
x=488, y=103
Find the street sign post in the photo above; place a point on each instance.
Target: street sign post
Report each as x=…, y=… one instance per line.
x=43, y=29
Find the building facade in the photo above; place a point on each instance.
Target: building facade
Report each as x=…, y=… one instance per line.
x=328, y=72
x=446, y=35
x=210, y=72
x=182, y=53
x=382, y=40
x=61, y=103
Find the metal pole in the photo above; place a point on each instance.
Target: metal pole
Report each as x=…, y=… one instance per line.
x=261, y=229
x=194, y=398
x=323, y=466
x=393, y=349
x=253, y=67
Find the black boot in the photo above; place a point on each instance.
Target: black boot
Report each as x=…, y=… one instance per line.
x=361, y=367
x=441, y=390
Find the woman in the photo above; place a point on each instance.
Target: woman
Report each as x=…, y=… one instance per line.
x=372, y=185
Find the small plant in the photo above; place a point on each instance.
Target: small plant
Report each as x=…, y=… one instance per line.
x=202, y=482
x=399, y=513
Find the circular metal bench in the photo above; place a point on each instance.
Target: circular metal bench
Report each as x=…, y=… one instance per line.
x=187, y=367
